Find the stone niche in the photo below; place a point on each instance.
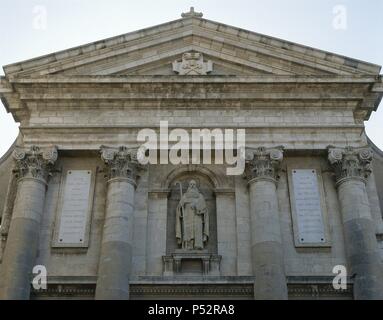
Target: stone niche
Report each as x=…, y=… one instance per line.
x=179, y=261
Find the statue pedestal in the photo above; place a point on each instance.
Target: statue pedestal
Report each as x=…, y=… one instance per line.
x=210, y=262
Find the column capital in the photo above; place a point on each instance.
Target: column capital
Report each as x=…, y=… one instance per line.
x=34, y=162
x=263, y=163
x=121, y=162
x=350, y=163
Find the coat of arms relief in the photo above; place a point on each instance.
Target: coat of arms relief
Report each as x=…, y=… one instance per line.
x=192, y=63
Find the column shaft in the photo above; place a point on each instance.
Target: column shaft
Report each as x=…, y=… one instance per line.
x=116, y=247
x=266, y=239
x=22, y=242
x=361, y=244
x=352, y=168
x=32, y=168
x=267, y=251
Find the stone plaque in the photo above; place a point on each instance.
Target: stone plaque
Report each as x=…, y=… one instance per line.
x=308, y=209
x=75, y=207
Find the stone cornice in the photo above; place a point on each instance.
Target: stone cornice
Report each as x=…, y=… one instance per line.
x=350, y=163
x=309, y=89
x=80, y=137
x=62, y=79
x=82, y=128
x=18, y=95
x=210, y=88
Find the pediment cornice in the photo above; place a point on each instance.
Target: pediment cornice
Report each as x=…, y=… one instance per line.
x=194, y=33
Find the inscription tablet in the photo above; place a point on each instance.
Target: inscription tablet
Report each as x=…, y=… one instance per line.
x=308, y=208
x=75, y=207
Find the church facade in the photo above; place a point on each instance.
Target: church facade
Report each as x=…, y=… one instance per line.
x=84, y=204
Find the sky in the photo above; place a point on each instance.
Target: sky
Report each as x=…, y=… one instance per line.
x=30, y=28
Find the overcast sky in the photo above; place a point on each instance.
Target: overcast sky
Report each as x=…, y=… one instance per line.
x=30, y=28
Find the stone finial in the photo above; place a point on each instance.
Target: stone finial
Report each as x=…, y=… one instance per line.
x=350, y=162
x=192, y=63
x=121, y=162
x=34, y=162
x=192, y=13
x=263, y=163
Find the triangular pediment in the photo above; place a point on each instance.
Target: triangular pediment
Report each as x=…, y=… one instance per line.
x=152, y=51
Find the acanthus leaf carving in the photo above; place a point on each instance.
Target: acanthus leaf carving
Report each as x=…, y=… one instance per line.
x=263, y=162
x=34, y=162
x=350, y=162
x=121, y=162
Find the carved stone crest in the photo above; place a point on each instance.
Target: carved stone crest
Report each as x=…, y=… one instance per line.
x=192, y=63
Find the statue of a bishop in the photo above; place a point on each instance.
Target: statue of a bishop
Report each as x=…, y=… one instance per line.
x=192, y=219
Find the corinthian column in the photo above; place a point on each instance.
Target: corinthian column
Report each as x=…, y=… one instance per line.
x=32, y=170
x=266, y=242
x=116, y=248
x=352, y=168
